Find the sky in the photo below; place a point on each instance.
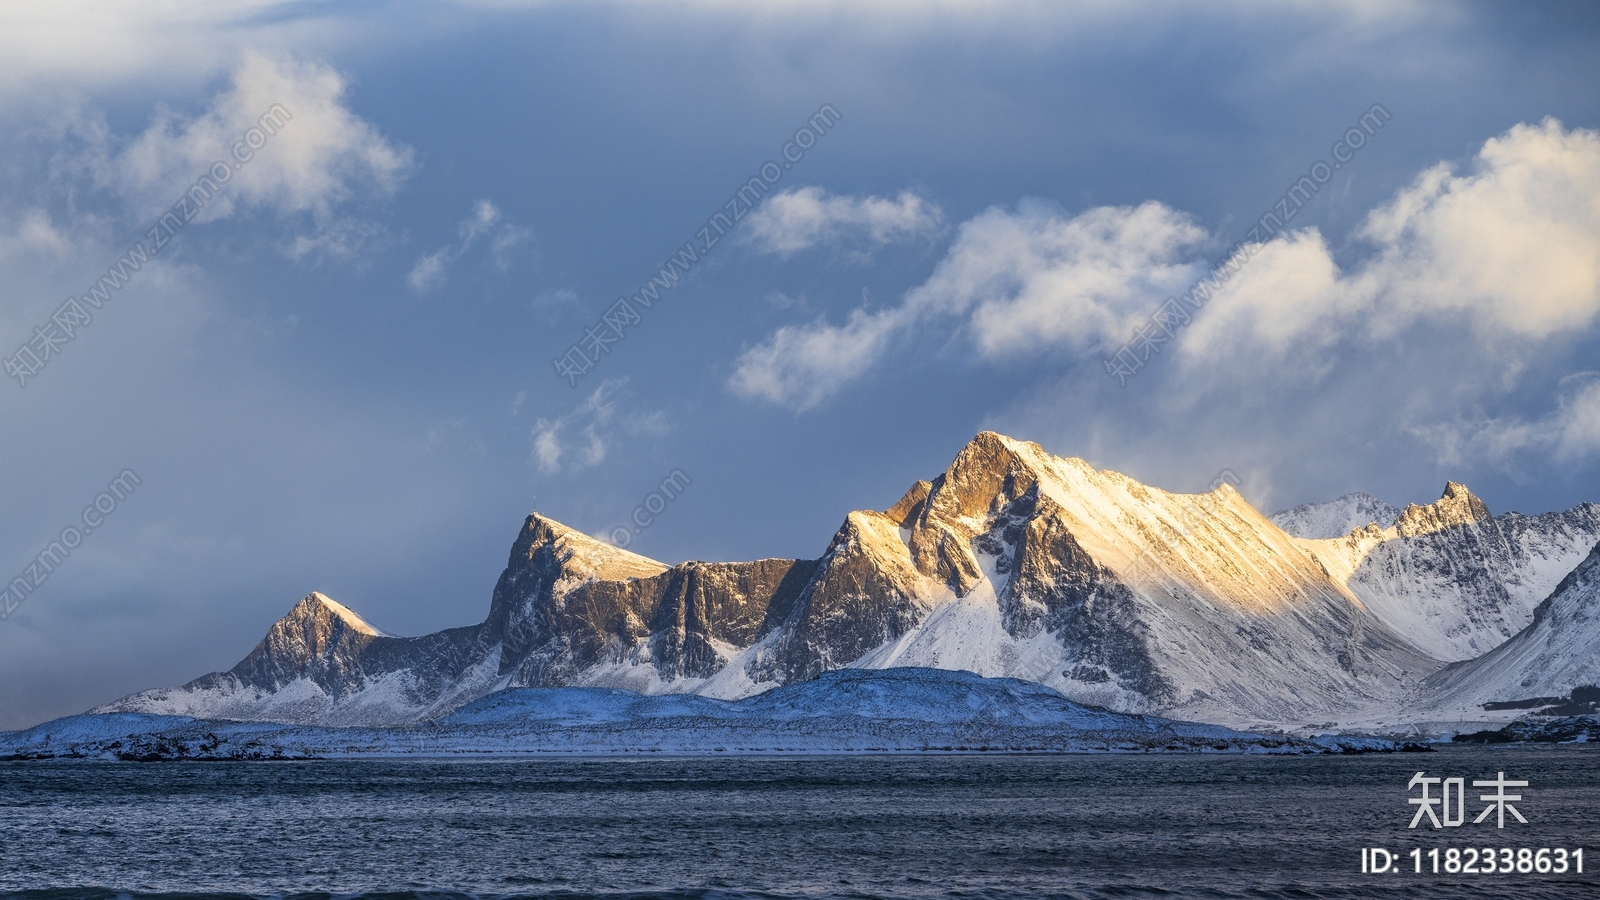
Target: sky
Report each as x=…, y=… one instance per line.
x=875, y=229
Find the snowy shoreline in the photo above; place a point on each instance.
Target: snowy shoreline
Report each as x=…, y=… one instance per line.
x=852, y=712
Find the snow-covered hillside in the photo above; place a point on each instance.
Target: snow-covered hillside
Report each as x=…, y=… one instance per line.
x=1557, y=652
x=1451, y=578
x=1120, y=594
x=902, y=710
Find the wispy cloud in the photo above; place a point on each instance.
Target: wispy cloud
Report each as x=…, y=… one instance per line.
x=486, y=222
x=802, y=218
x=581, y=438
x=1570, y=433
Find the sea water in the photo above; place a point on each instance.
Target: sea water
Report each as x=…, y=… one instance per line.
x=969, y=826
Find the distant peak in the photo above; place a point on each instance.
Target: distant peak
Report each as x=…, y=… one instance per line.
x=1456, y=506
x=1337, y=517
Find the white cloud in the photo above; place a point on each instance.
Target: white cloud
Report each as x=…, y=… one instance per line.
x=317, y=154
x=1445, y=345
x=342, y=239
x=1024, y=281
x=428, y=273
x=1510, y=250
x=35, y=234
x=802, y=218
x=802, y=365
x=87, y=43
x=1514, y=246
x=555, y=297
x=1469, y=295
x=99, y=41
x=432, y=269
x=1580, y=421
x=1290, y=293
x=582, y=437
x=1034, y=279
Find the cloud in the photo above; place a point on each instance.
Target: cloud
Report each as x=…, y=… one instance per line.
x=1514, y=246
x=96, y=42
x=344, y=239
x=1033, y=279
x=582, y=437
x=1454, y=336
x=310, y=151
x=431, y=269
x=101, y=41
x=1570, y=433
x=428, y=273
x=36, y=233
x=802, y=218
x=1022, y=281
x=1510, y=250
x=800, y=366
x=556, y=297
x=1580, y=421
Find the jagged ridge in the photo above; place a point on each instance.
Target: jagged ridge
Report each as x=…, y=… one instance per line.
x=1012, y=562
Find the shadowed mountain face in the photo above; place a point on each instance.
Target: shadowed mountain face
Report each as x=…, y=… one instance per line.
x=1011, y=563
x=1557, y=652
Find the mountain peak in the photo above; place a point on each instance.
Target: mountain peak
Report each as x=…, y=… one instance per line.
x=586, y=556
x=318, y=605
x=1456, y=506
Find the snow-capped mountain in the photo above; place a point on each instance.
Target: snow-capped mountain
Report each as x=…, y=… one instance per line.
x=1455, y=580
x=1335, y=518
x=1011, y=563
x=1557, y=652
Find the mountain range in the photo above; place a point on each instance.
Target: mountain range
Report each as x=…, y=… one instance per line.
x=1011, y=563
